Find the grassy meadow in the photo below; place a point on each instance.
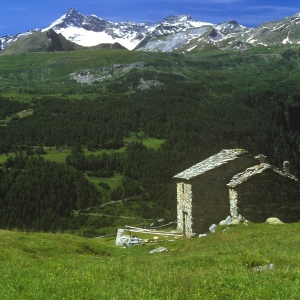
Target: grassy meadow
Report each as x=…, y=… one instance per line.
x=218, y=266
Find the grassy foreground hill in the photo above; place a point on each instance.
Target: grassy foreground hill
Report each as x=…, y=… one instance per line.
x=218, y=266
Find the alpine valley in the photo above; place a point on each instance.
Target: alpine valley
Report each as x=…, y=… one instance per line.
x=97, y=117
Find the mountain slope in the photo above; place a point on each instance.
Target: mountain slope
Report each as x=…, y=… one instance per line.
x=285, y=31
x=9, y=39
x=47, y=41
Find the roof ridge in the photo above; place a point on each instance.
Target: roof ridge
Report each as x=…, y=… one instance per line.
x=211, y=163
x=257, y=169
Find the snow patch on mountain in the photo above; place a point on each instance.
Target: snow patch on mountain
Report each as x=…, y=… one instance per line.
x=192, y=48
x=287, y=41
x=88, y=38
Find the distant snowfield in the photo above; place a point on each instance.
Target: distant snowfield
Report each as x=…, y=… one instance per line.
x=88, y=38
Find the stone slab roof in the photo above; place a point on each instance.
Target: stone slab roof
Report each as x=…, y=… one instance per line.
x=250, y=172
x=210, y=163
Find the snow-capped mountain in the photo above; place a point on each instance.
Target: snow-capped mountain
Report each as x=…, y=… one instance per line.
x=91, y=30
x=167, y=35
x=193, y=37
x=172, y=33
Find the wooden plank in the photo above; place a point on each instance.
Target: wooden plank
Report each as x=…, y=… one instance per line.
x=136, y=229
x=164, y=234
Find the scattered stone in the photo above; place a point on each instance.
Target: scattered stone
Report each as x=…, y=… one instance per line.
x=227, y=221
x=155, y=237
x=202, y=235
x=160, y=249
x=212, y=228
x=264, y=268
x=231, y=221
x=274, y=221
x=126, y=240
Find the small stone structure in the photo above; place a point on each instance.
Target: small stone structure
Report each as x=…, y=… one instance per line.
x=263, y=191
x=233, y=182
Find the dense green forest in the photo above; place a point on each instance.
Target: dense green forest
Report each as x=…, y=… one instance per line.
x=41, y=195
x=228, y=101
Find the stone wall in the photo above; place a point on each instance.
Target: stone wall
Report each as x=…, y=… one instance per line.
x=233, y=202
x=205, y=197
x=267, y=194
x=184, y=208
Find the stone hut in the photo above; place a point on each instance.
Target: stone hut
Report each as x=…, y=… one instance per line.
x=264, y=191
x=234, y=183
x=202, y=194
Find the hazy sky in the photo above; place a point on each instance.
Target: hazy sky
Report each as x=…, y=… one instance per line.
x=21, y=15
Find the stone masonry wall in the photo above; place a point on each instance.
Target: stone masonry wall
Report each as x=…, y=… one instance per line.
x=266, y=195
x=210, y=200
x=233, y=201
x=184, y=208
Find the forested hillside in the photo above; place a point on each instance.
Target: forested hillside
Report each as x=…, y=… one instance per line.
x=203, y=105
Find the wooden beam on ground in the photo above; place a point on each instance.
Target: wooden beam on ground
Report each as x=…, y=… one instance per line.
x=142, y=230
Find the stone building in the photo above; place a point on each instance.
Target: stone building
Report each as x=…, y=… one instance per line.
x=264, y=191
x=234, y=183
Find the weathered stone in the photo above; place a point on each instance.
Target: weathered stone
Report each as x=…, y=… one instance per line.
x=264, y=268
x=213, y=228
x=297, y=207
x=236, y=221
x=159, y=249
x=227, y=221
x=202, y=235
x=273, y=221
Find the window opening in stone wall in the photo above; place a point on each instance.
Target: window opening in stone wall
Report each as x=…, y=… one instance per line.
x=183, y=188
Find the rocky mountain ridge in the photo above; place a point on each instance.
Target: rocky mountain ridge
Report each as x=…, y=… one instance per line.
x=180, y=33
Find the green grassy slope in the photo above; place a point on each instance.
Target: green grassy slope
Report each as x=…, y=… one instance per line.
x=219, y=266
x=40, y=42
x=48, y=72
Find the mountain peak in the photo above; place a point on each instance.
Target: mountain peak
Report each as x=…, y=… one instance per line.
x=71, y=11
x=177, y=18
x=233, y=22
